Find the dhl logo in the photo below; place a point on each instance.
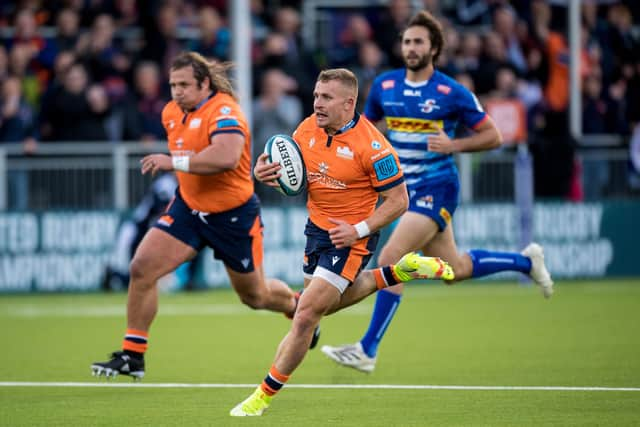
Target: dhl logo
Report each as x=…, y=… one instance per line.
x=403, y=124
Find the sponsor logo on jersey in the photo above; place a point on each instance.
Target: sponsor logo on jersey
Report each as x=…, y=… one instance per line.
x=171, y=124
x=385, y=168
x=376, y=145
x=443, y=89
x=195, y=123
x=225, y=109
x=406, y=124
x=412, y=92
x=344, y=152
x=444, y=213
x=380, y=154
x=321, y=177
x=312, y=142
x=428, y=106
x=324, y=168
x=425, y=202
x=228, y=123
x=388, y=84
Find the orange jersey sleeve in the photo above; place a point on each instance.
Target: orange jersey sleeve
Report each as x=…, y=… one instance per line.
x=345, y=172
x=190, y=133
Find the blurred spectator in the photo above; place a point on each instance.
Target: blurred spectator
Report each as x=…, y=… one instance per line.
x=504, y=24
x=274, y=110
x=4, y=63
x=67, y=30
x=594, y=121
x=140, y=113
x=274, y=55
x=621, y=40
x=286, y=22
x=32, y=86
x=40, y=53
x=446, y=61
x=215, y=38
x=125, y=13
x=17, y=126
x=468, y=60
x=78, y=110
x=493, y=58
x=371, y=62
x=161, y=39
x=554, y=163
x=392, y=22
x=259, y=27
x=63, y=61
x=465, y=80
x=476, y=12
x=31, y=56
x=353, y=36
x=99, y=52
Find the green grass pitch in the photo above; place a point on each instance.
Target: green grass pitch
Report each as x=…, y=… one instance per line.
x=473, y=334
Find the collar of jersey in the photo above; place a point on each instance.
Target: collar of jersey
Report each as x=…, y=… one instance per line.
x=204, y=101
x=350, y=124
x=416, y=84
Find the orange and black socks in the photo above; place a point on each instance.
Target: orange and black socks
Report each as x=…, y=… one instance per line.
x=385, y=277
x=273, y=382
x=135, y=342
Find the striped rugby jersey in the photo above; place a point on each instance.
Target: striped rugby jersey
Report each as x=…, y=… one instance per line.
x=413, y=111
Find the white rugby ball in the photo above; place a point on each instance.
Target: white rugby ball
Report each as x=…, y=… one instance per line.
x=293, y=175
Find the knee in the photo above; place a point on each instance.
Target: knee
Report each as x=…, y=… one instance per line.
x=252, y=300
x=138, y=270
x=305, y=321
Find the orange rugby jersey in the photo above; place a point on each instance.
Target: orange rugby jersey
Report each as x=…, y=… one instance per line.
x=190, y=133
x=346, y=171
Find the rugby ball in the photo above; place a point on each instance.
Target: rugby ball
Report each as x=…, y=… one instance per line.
x=293, y=175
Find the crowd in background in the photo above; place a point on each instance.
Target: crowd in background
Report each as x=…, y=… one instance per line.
x=80, y=70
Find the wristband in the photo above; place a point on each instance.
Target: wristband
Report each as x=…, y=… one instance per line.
x=362, y=229
x=180, y=163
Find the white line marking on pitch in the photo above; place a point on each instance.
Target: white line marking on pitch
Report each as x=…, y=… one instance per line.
x=316, y=386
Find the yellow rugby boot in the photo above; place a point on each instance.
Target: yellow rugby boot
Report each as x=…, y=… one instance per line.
x=252, y=406
x=413, y=266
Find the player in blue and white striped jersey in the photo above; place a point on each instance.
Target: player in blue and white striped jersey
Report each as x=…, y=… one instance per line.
x=422, y=109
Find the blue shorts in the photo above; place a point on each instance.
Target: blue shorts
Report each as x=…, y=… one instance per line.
x=338, y=266
x=235, y=235
x=437, y=201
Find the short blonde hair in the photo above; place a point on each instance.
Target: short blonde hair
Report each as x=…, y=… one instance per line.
x=344, y=76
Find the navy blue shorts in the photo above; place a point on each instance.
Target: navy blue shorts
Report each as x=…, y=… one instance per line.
x=235, y=235
x=438, y=201
x=338, y=266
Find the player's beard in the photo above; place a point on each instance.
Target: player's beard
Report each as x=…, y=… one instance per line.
x=423, y=62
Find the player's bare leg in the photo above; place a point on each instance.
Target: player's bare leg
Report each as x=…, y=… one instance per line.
x=259, y=293
x=147, y=266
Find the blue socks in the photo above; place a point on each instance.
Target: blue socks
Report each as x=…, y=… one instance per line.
x=484, y=263
x=386, y=306
x=489, y=262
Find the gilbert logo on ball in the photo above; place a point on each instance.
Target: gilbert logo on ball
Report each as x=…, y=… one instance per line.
x=284, y=150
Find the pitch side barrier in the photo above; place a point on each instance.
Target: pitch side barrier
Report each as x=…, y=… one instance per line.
x=52, y=251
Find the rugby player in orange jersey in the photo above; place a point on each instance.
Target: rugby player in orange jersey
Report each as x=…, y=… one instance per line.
x=214, y=205
x=349, y=165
